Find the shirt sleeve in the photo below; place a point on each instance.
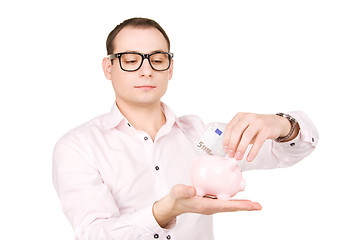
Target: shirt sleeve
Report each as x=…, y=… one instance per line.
x=89, y=205
x=284, y=154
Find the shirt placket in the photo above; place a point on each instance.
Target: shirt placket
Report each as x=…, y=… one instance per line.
x=149, y=158
x=159, y=183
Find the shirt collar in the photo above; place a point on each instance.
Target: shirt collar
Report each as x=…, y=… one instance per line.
x=170, y=117
x=115, y=117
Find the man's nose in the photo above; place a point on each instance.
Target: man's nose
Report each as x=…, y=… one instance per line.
x=146, y=69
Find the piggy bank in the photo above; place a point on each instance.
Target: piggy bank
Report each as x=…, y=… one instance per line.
x=217, y=176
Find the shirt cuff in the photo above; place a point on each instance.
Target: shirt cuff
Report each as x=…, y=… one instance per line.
x=307, y=134
x=148, y=226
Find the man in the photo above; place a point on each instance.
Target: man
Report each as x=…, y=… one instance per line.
x=125, y=174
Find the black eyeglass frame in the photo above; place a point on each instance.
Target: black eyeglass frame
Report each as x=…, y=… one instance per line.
x=143, y=56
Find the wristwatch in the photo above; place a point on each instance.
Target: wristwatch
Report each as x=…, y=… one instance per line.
x=293, y=122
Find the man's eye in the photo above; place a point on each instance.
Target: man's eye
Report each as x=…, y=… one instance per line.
x=131, y=61
x=157, y=61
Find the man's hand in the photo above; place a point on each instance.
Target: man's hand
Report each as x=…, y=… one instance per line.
x=183, y=199
x=250, y=128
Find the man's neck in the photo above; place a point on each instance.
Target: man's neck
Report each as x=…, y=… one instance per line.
x=148, y=118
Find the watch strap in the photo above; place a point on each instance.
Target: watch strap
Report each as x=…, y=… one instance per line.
x=293, y=122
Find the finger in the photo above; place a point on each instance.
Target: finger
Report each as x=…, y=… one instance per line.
x=245, y=205
x=191, y=191
x=236, y=136
x=211, y=206
x=230, y=126
x=227, y=133
x=249, y=134
x=181, y=191
x=259, y=141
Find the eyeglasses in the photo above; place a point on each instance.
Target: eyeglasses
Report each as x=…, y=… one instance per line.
x=132, y=61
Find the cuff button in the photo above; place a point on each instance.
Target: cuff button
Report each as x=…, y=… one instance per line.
x=292, y=144
x=156, y=236
x=168, y=237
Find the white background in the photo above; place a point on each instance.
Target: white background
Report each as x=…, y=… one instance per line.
x=230, y=56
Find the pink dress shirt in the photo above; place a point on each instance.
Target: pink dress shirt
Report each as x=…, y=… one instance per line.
x=108, y=174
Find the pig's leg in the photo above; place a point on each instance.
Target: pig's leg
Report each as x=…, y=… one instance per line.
x=223, y=196
x=200, y=193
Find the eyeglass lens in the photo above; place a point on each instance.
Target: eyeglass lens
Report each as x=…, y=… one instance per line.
x=133, y=61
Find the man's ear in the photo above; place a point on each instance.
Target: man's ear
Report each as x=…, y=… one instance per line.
x=171, y=70
x=107, y=67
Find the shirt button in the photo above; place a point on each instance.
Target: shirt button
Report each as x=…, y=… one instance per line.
x=128, y=124
x=292, y=144
x=157, y=168
x=156, y=236
x=168, y=237
x=146, y=138
x=312, y=139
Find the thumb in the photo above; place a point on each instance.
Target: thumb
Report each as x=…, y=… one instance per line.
x=181, y=191
x=191, y=191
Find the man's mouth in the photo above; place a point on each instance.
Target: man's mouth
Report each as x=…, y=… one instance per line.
x=145, y=86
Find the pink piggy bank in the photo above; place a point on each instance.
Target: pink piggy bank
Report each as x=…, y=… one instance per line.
x=217, y=176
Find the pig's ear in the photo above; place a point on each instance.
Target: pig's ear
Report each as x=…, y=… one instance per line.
x=232, y=163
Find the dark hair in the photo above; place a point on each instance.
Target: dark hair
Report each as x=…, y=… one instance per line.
x=134, y=22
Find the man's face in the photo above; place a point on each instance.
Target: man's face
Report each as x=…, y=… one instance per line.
x=145, y=86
